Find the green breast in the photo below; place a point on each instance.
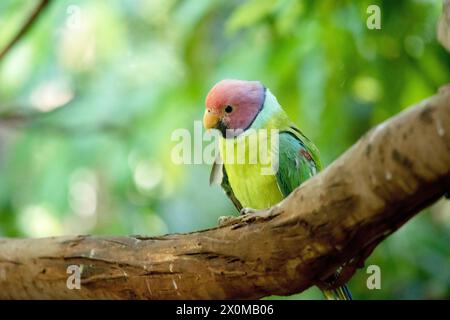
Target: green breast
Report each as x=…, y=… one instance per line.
x=249, y=171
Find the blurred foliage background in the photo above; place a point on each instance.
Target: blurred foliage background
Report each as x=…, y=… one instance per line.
x=90, y=96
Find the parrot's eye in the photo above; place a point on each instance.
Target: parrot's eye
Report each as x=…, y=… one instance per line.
x=228, y=109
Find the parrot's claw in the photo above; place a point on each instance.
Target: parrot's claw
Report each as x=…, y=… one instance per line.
x=248, y=215
x=224, y=220
x=245, y=211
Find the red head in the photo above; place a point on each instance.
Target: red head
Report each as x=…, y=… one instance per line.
x=233, y=104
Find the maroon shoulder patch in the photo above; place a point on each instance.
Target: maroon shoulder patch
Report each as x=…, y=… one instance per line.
x=305, y=154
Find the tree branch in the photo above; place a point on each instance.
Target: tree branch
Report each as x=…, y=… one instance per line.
x=25, y=27
x=336, y=217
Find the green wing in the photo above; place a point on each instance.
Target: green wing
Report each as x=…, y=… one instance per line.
x=298, y=160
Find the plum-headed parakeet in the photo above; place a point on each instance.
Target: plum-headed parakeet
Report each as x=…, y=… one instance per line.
x=240, y=109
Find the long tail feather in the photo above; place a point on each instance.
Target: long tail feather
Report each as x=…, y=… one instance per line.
x=341, y=293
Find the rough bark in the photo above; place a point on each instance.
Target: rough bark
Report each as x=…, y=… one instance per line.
x=395, y=170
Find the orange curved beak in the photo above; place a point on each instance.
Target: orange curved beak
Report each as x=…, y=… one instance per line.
x=210, y=119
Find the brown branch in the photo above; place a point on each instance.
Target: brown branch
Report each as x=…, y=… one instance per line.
x=25, y=27
x=338, y=216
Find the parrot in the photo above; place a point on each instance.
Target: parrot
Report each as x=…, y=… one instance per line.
x=238, y=109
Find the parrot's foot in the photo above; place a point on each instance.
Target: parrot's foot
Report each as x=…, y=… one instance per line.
x=224, y=220
x=245, y=211
x=248, y=215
